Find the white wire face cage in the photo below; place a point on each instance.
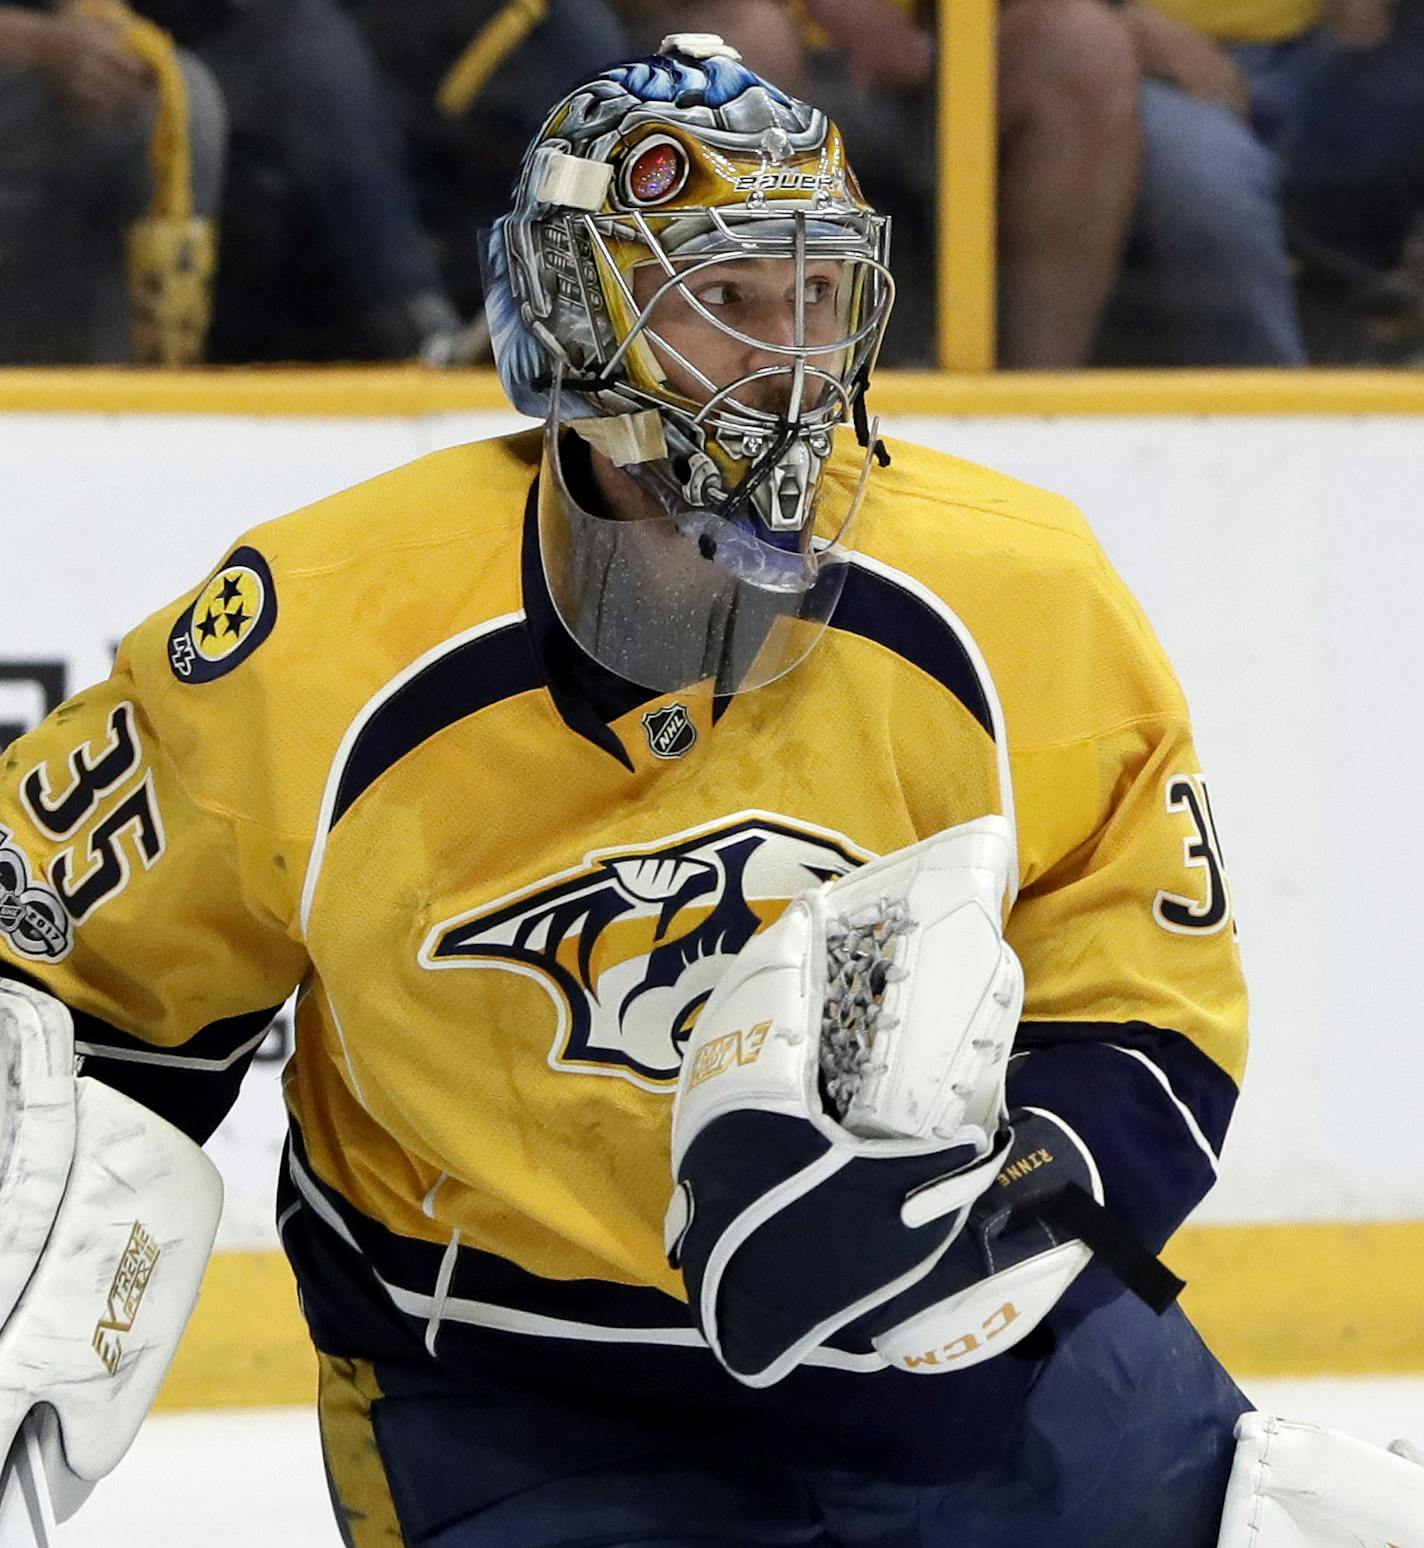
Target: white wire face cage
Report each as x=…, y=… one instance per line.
x=748, y=444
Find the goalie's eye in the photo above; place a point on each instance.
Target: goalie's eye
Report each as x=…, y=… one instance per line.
x=817, y=290
x=723, y=293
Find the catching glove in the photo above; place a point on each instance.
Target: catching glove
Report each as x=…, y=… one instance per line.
x=841, y=1104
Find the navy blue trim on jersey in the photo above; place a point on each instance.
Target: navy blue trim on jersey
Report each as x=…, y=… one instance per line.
x=1154, y=1167
x=875, y=608
x=191, y=1097
x=877, y=1422
x=470, y=677
x=899, y=1424
x=589, y=697
x=196, y=1090
x=411, y=1264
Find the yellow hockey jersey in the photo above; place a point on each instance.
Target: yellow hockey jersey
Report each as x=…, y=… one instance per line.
x=363, y=760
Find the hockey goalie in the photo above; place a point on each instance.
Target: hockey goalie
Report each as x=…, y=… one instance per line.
x=767, y=985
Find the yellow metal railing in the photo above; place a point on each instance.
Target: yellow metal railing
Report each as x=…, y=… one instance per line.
x=406, y=392
x=968, y=171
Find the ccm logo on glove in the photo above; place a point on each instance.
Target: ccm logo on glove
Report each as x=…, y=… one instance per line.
x=966, y=1343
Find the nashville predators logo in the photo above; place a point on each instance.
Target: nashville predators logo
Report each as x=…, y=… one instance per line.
x=631, y=943
x=232, y=616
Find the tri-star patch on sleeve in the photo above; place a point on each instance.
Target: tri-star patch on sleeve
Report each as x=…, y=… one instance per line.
x=230, y=617
x=507, y=883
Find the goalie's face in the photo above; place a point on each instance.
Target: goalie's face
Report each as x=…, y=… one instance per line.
x=741, y=324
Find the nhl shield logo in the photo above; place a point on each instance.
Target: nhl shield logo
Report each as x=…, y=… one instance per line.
x=670, y=731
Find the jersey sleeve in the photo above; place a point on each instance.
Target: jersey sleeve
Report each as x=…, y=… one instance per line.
x=159, y=915
x=1134, y=1025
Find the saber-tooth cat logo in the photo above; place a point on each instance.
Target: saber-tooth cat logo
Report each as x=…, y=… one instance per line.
x=630, y=944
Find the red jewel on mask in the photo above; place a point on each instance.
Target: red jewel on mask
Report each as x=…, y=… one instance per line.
x=657, y=172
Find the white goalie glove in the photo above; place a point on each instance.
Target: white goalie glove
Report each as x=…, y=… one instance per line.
x=841, y=1104
x=107, y=1217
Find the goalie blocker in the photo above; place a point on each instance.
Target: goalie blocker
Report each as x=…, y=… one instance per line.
x=107, y=1217
x=847, y=1175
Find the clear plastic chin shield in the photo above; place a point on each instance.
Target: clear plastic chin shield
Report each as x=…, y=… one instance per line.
x=693, y=300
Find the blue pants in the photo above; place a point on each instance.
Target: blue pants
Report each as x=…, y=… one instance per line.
x=1208, y=277
x=1336, y=115
x=1121, y=1438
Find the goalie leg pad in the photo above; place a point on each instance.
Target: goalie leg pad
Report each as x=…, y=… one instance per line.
x=97, y=1320
x=36, y=1129
x=1302, y=1486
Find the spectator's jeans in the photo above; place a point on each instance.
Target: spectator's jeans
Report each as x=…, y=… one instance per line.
x=1338, y=115
x=67, y=192
x=1208, y=279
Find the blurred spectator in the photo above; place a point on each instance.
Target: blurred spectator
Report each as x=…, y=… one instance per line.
x=76, y=113
x=324, y=254
x=1337, y=91
x=1207, y=278
x=1272, y=126
x=1071, y=154
x=472, y=80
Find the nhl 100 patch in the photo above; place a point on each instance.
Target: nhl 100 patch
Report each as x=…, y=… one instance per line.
x=32, y=918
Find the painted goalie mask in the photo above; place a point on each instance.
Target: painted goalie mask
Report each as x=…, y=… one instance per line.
x=653, y=192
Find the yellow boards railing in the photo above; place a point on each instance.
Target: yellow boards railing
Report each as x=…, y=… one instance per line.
x=968, y=157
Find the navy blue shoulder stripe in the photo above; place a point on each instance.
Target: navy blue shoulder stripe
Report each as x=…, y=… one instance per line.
x=876, y=608
x=470, y=677
x=1135, y=1122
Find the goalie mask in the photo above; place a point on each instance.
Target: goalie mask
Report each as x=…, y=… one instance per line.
x=691, y=284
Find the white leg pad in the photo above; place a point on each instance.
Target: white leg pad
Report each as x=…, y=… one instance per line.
x=107, y=1217
x=1301, y=1486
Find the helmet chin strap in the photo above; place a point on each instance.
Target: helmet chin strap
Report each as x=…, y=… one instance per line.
x=860, y=418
